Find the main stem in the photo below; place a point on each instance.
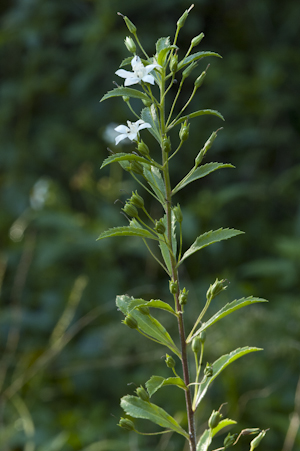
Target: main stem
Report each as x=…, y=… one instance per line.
x=175, y=277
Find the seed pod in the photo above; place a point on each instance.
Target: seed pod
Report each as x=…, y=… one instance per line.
x=184, y=131
x=173, y=286
x=141, y=392
x=197, y=39
x=196, y=345
x=166, y=144
x=183, y=296
x=200, y=79
x=202, y=336
x=131, y=322
x=130, y=210
x=160, y=227
x=182, y=19
x=256, y=441
x=178, y=214
x=147, y=102
x=174, y=63
x=229, y=440
x=188, y=70
x=216, y=288
x=137, y=200
x=130, y=45
x=208, y=371
x=170, y=362
x=214, y=419
x=136, y=167
x=143, y=149
x=125, y=423
x=131, y=27
x=126, y=98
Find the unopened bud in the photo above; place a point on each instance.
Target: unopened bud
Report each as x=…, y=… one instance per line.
x=131, y=322
x=143, y=149
x=141, y=392
x=137, y=200
x=130, y=45
x=183, y=296
x=130, y=210
x=184, y=131
x=202, y=336
x=208, y=371
x=174, y=63
x=256, y=441
x=189, y=69
x=170, y=362
x=182, y=19
x=125, y=423
x=136, y=167
x=200, y=79
x=215, y=289
x=197, y=39
x=166, y=145
x=214, y=419
x=173, y=286
x=126, y=98
x=178, y=214
x=160, y=227
x=147, y=102
x=229, y=440
x=131, y=27
x=196, y=345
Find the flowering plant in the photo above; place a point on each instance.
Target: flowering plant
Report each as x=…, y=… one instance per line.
x=162, y=70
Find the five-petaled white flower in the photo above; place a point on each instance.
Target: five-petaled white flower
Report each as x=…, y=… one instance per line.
x=131, y=131
x=140, y=72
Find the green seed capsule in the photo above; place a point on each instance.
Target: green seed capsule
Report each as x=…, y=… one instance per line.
x=160, y=227
x=183, y=296
x=208, y=371
x=130, y=210
x=125, y=423
x=188, y=70
x=141, y=392
x=197, y=39
x=131, y=27
x=166, y=144
x=126, y=98
x=137, y=200
x=202, y=336
x=178, y=214
x=216, y=288
x=256, y=441
x=173, y=286
x=199, y=80
x=184, y=131
x=136, y=167
x=130, y=322
x=229, y=440
x=182, y=19
x=143, y=149
x=214, y=419
x=174, y=63
x=170, y=362
x=147, y=102
x=196, y=345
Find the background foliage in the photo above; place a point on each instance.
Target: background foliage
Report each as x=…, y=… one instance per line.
x=65, y=358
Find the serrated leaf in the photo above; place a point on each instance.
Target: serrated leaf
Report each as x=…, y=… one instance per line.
x=122, y=91
x=147, y=324
x=162, y=44
x=226, y=310
x=126, y=61
x=213, y=236
x=154, y=303
x=117, y=157
x=223, y=424
x=195, y=57
x=196, y=114
x=155, y=180
x=219, y=365
x=204, y=441
x=200, y=172
x=127, y=231
x=164, y=248
x=137, y=408
x=156, y=382
x=149, y=115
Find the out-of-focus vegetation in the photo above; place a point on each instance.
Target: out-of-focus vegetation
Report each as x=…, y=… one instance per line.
x=65, y=358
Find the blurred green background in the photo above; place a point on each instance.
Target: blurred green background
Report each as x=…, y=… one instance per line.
x=65, y=358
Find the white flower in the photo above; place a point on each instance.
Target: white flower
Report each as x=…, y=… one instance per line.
x=131, y=131
x=140, y=72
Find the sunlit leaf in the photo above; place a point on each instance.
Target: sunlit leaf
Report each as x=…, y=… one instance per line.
x=195, y=57
x=156, y=382
x=154, y=303
x=195, y=114
x=127, y=231
x=122, y=91
x=223, y=424
x=137, y=408
x=117, y=157
x=204, y=441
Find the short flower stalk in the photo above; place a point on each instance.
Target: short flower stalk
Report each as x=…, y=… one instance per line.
x=151, y=82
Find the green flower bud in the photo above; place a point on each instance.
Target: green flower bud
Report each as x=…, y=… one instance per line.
x=170, y=362
x=131, y=27
x=189, y=69
x=143, y=149
x=202, y=336
x=200, y=79
x=183, y=296
x=214, y=419
x=166, y=145
x=199, y=157
x=126, y=98
x=256, y=441
x=130, y=210
x=184, y=131
x=160, y=227
x=125, y=423
x=174, y=63
x=178, y=214
x=196, y=345
x=229, y=440
x=182, y=19
x=208, y=371
x=173, y=286
x=136, y=167
x=141, y=392
x=147, y=102
x=197, y=39
x=144, y=309
x=215, y=289
x=130, y=45
x=131, y=322
x=136, y=200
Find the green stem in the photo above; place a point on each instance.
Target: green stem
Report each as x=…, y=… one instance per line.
x=155, y=258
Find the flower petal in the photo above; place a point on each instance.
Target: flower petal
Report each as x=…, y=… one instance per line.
x=120, y=138
x=150, y=67
x=132, y=135
x=145, y=125
x=124, y=73
x=122, y=129
x=148, y=79
x=135, y=60
x=131, y=81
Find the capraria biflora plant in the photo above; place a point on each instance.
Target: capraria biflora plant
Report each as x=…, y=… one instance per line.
x=152, y=78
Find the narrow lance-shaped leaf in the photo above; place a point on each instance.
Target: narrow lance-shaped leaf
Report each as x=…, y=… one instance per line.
x=154, y=303
x=200, y=172
x=195, y=57
x=204, y=441
x=196, y=114
x=127, y=231
x=122, y=91
x=164, y=248
x=157, y=382
x=117, y=157
x=155, y=180
x=149, y=115
x=219, y=365
x=213, y=236
x=137, y=408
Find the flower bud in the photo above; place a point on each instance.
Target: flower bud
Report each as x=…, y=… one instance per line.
x=143, y=149
x=214, y=419
x=130, y=45
x=256, y=441
x=202, y=336
x=131, y=27
x=147, y=102
x=141, y=392
x=160, y=227
x=215, y=289
x=126, y=98
x=200, y=157
x=136, y=167
x=200, y=79
x=166, y=145
x=173, y=286
x=197, y=39
x=144, y=309
x=170, y=362
x=196, y=345
x=125, y=423
x=208, y=371
x=182, y=19
x=183, y=296
x=178, y=214
x=136, y=200
x=184, y=131
x=130, y=210
x=189, y=69
x=229, y=440
x=174, y=63
x=131, y=322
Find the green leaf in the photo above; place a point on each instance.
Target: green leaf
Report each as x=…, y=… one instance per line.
x=149, y=115
x=147, y=324
x=164, y=248
x=162, y=49
x=156, y=382
x=219, y=365
x=223, y=424
x=127, y=231
x=204, y=441
x=154, y=303
x=195, y=57
x=126, y=157
x=195, y=114
x=162, y=43
x=213, y=236
x=137, y=408
x=126, y=61
x=122, y=91
x=155, y=180
x=200, y=172
x=226, y=310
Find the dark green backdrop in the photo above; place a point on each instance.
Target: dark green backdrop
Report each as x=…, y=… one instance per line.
x=65, y=358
